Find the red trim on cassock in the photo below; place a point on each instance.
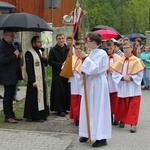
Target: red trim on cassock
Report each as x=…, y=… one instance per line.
x=122, y=65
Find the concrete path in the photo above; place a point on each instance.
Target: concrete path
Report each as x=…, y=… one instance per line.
x=121, y=139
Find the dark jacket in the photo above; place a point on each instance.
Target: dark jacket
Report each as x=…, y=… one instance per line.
x=104, y=48
x=59, y=96
x=10, y=71
x=17, y=44
x=57, y=57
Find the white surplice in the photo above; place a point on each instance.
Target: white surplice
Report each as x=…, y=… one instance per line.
x=76, y=82
x=111, y=83
x=95, y=67
x=128, y=89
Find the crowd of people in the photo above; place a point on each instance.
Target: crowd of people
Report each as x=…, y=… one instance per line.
x=105, y=87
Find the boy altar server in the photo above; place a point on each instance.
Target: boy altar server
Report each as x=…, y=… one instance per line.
x=76, y=85
x=128, y=74
x=95, y=67
x=112, y=58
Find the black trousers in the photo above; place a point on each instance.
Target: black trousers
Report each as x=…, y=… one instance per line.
x=9, y=91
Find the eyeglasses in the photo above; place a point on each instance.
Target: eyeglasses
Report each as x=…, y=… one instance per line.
x=126, y=47
x=11, y=35
x=39, y=42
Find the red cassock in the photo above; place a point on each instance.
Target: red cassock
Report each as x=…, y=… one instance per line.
x=75, y=108
x=129, y=107
x=113, y=102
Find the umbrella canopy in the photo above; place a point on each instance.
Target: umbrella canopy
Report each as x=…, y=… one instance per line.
x=133, y=36
x=23, y=22
x=103, y=27
x=108, y=34
x=5, y=5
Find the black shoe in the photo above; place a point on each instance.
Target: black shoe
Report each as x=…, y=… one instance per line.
x=1, y=97
x=112, y=120
x=121, y=125
x=116, y=123
x=83, y=139
x=62, y=114
x=29, y=120
x=14, y=99
x=45, y=119
x=77, y=124
x=66, y=112
x=99, y=143
x=17, y=119
x=38, y=120
x=18, y=89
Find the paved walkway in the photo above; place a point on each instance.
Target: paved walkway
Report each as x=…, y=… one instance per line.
x=25, y=140
x=122, y=139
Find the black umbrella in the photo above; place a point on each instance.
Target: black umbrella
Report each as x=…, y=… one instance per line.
x=23, y=22
x=103, y=27
x=133, y=36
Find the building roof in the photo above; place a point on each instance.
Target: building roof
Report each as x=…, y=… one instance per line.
x=5, y=5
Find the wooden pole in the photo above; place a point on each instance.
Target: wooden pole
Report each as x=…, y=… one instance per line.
x=86, y=108
x=67, y=69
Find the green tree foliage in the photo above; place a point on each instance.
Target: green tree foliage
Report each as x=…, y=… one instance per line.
x=126, y=16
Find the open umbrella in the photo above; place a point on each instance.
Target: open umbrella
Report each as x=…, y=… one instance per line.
x=108, y=34
x=104, y=27
x=23, y=22
x=133, y=36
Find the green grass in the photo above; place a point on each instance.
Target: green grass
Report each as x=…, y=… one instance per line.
x=19, y=108
x=22, y=83
x=1, y=116
x=49, y=75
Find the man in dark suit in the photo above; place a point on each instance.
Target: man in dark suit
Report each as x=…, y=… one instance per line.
x=10, y=73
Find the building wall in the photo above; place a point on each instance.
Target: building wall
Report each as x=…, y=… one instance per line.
x=37, y=7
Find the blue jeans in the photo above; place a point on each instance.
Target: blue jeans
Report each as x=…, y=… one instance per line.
x=146, y=77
